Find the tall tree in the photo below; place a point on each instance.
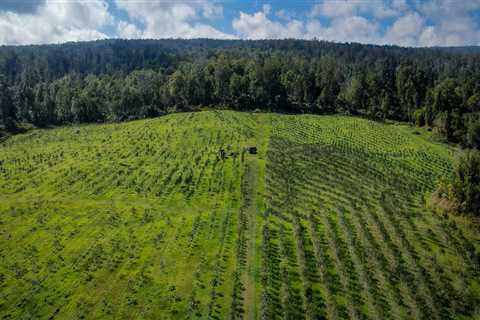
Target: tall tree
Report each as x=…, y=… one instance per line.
x=7, y=107
x=466, y=182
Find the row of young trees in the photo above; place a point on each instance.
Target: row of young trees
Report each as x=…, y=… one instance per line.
x=438, y=88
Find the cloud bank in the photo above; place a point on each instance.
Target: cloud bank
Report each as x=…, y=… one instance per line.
x=400, y=22
x=431, y=23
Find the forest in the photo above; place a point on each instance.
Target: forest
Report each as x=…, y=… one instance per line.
x=117, y=80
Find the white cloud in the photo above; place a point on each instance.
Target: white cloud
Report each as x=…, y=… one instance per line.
x=170, y=19
x=211, y=10
x=356, y=28
x=283, y=14
x=348, y=29
x=56, y=21
x=348, y=8
x=399, y=5
x=429, y=37
x=451, y=23
x=259, y=26
x=405, y=30
x=267, y=8
x=343, y=29
x=436, y=23
x=335, y=8
x=432, y=23
x=127, y=30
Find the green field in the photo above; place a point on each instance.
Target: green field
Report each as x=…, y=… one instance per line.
x=143, y=220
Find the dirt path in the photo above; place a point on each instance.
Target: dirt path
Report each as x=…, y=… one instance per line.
x=253, y=190
x=249, y=198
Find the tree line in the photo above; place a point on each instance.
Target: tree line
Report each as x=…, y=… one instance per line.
x=116, y=80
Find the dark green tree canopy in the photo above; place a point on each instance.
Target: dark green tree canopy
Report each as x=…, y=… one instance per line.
x=115, y=80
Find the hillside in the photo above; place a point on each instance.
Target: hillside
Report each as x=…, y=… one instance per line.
x=144, y=220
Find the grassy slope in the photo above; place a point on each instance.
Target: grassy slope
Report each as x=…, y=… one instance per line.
x=141, y=219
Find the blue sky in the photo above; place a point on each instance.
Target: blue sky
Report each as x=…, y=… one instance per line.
x=401, y=22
